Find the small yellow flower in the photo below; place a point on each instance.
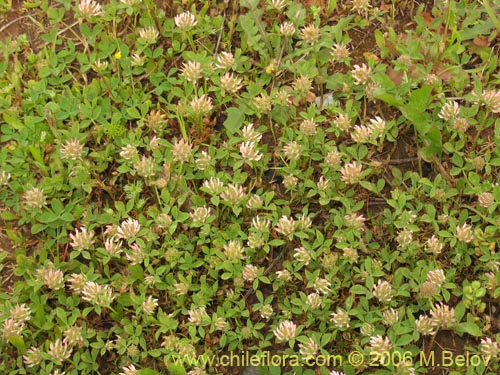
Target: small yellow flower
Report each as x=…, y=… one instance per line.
x=118, y=55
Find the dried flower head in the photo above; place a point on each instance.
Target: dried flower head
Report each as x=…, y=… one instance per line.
x=77, y=282
x=128, y=152
x=100, y=295
x=491, y=99
x=489, y=348
x=322, y=285
x=339, y=52
x=81, y=240
x=59, y=351
x=341, y=319
x=20, y=313
x=464, y=233
x=436, y=277
x=308, y=127
x=11, y=327
x=390, y=317
x=428, y=289
x=287, y=29
x=310, y=34
x=266, y=311
x=128, y=229
x=34, y=198
x=343, y=122
x=302, y=85
x=136, y=255
x=73, y=336
x=309, y=349
x=185, y=21
x=72, y=150
x=90, y=8
x=234, y=250
x=443, y=316
x=4, y=178
x=201, y=105
x=286, y=226
x=255, y=202
x=285, y=331
x=292, y=150
x=424, y=326
x=230, y=82
x=351, y=173
x=181, y=151
x=233, y=194
x=361, y=6
x=214, y=185
x=145, y=167
x=382, y=291
x=149, y=34
x=302, y=254
x=248, y=152
x=314, y=300
x=191, y=71
x=361, y=74
x=224, y=60
x=129, y=370
x=198, y=316
x=250, y=273
x=333, y=158
x=51, y=277
x=156, y=121
x=434, y=245
x=361, y=133
x=149, y=305
x=380, y=345
x=33, y=357
x=486, y=199
x=262, y=103
x=449, y=111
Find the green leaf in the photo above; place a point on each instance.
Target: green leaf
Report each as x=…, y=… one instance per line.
x=148, y=371
x=432, y=144
x=18, y=342
x=420, y=99
x=358, y=289
x=471, y=328
x=134, y=113
x=7, y=216
x=176, y=369
x=235, y=118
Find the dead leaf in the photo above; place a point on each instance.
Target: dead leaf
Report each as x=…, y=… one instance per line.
x=428, y=18
x=481, y=41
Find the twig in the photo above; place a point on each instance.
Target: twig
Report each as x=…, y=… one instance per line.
x=9, y=24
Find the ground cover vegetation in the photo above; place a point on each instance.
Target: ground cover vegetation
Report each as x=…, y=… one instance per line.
x=188, y=178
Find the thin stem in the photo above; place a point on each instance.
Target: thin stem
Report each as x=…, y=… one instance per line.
x=492, y=14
